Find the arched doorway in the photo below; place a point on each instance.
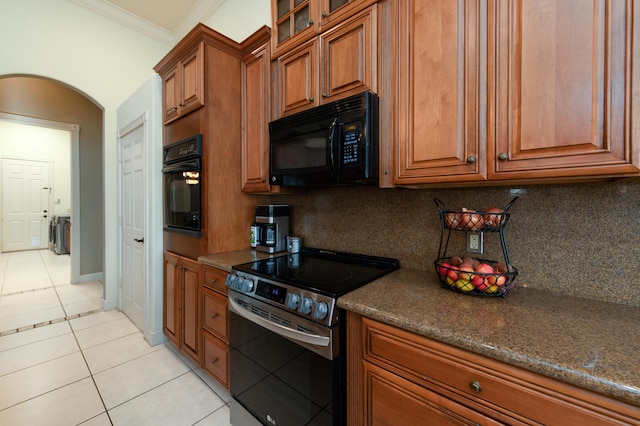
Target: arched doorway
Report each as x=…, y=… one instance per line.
x=45, y=99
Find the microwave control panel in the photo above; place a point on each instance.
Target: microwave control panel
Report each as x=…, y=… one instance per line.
x=351, y=136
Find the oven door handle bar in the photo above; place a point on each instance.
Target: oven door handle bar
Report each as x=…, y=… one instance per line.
x=278, y=329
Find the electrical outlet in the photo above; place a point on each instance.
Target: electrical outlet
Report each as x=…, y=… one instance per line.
x=475, y=242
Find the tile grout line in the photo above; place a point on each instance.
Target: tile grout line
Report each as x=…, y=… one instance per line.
x=49, y=322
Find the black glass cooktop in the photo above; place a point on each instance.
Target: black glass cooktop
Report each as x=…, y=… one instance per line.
x=323, y=271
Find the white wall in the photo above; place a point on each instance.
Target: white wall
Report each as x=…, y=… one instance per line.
x=104, y=60
x=41, y=143
x=238, y=19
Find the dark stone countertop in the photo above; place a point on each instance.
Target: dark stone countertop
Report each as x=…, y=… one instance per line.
x=591, y=344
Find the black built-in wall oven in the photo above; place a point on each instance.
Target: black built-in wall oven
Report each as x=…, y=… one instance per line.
x=287, y=336
x=182, y=175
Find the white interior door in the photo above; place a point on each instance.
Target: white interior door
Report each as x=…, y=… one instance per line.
x=25, y=204
x=132, y=227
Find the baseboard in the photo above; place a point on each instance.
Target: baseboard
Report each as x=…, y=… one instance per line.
x=110, y=304
x=155, y=338
x=98, y=276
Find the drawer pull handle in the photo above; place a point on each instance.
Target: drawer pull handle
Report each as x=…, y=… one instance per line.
x=475, y=386
x=213, y=280
x=503, y=156
x=213, y=361
x=214, y=315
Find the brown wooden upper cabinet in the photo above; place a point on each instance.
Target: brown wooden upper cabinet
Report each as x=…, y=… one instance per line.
x=295, y=21
x=341, y=61
x=514, y=90
x=183, y=85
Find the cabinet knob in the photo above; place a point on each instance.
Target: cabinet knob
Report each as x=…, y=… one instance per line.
x=503, y=156
x=264, y=180
x=471, y=159
x=475, y=386
x=214, y=315
x=213, y=361
x=324, y=95
x=213, y=280
x=310, y=22
x=311, y=99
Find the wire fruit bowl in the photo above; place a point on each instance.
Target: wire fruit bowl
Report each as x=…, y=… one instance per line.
x=467, y=279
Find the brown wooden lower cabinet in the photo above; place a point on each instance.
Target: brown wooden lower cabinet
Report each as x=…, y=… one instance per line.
x=182, y=278
x=215, y=325
x=398, y=377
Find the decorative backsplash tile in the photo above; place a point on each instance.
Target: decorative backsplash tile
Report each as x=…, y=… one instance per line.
x=576, y=239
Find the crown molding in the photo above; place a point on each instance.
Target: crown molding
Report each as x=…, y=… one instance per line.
x=128, y=19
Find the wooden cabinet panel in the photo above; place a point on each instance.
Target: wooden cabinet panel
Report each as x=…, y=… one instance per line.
x=216, y=359
x=215, y=314
x=421, y=377
x=171, y=302
x=562, y=101
x=297, y=79
x=191, y=329
x=392, y=400
x=192, y=71
x=441, y=131
x=215, y=279
x=256, y=114
x=348, y=57
x=183, y=85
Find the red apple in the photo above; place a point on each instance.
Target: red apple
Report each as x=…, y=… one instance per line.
x=443, y=269
x=453, y=273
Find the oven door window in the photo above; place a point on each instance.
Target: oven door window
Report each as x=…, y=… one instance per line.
x=279, y=381
x=182, y=197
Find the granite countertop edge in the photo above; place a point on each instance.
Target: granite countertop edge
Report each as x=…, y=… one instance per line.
x=529, y=328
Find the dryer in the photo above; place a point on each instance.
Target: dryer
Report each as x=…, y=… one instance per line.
x=57, y=236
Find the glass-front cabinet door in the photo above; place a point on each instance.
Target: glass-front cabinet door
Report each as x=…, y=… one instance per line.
x=294, y=20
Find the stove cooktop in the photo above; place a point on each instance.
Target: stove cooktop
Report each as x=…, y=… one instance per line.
x=322, y=271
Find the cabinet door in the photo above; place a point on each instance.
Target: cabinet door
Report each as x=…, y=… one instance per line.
x=563, y=95
x=171, y=305
x=170, y=96
x=191, y=329
x=297, y=79
x=441, y=132
x=192, y=80
x=348, y=56
x=256, y=107
x=391, y=400
x=294, y=21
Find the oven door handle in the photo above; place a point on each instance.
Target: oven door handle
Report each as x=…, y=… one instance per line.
x=278, y=329
x=186, y=166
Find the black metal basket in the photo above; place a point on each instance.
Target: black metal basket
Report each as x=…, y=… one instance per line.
x=465, y=277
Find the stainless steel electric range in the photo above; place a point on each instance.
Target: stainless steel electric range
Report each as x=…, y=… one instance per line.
x=287, y=335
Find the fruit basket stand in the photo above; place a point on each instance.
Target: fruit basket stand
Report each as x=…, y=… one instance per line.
x=479, y=277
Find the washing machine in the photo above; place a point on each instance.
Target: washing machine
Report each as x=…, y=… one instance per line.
x=59, y=234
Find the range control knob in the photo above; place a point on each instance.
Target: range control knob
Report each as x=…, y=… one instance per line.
x=230, y=282
x=247, y=285
x=306, y=304
x=293, y=300
x=321, y=310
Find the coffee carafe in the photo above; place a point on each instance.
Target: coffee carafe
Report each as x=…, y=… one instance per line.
x=272, y=223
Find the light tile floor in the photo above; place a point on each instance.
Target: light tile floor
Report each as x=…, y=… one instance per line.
x=64, y=361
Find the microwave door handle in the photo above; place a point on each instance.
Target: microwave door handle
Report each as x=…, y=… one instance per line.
x=332, y=132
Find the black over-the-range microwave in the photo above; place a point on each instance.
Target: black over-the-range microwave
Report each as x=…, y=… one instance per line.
x=328, y=145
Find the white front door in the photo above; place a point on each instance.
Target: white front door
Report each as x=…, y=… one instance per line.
x=25, y=204
x=132, y=228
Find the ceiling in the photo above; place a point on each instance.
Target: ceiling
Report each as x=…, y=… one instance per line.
x=164, y=20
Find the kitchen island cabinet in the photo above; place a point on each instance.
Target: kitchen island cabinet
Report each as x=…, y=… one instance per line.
x=513, y=91
x=529, y=358
x=182, y=278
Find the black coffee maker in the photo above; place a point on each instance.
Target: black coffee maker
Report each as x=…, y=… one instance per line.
x=271, y=227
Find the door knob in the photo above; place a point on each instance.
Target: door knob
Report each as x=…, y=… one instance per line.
x=139, y=240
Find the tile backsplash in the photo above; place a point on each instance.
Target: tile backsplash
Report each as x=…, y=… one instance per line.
x=575, y=239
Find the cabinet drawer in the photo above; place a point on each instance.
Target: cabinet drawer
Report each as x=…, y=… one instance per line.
x=215, y=279
x=484, y=384
x=215, y=314
x=216, y=359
